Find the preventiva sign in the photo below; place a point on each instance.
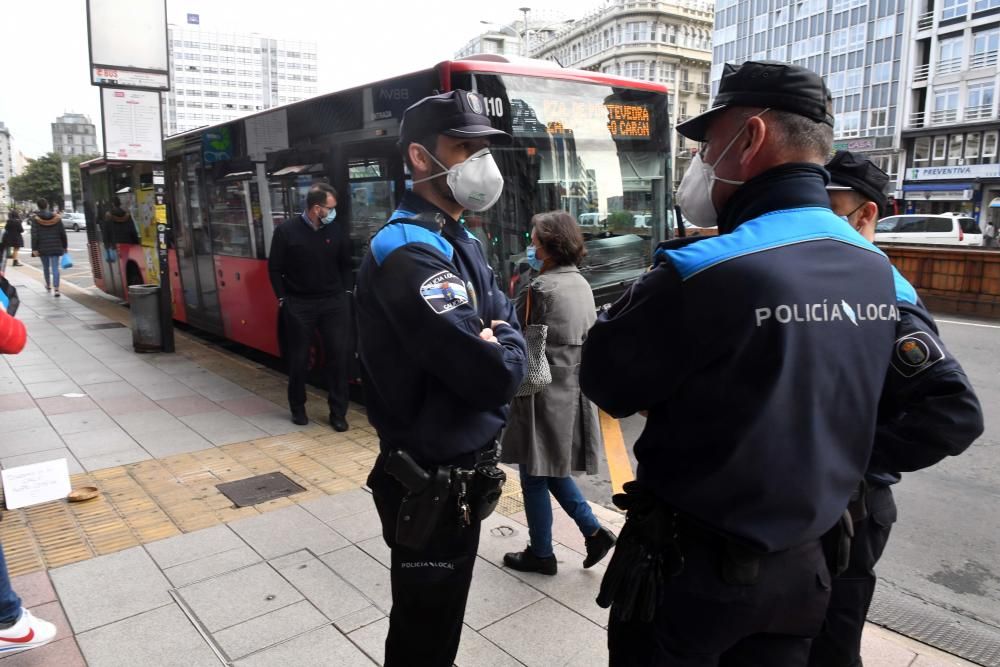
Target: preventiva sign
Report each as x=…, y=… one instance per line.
x=945, y=173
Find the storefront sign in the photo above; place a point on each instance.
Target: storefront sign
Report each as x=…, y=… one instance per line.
x=946, y=173
x=863, y=144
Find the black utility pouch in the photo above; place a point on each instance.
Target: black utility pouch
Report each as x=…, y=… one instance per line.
x=487, y=487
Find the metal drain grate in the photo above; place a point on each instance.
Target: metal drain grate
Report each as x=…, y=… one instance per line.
x=259, y=489
x=105, y=325
x=938, y=627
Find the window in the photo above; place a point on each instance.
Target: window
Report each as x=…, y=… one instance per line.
x=885, y=27
x=985, y=45
x=972, y=143
x=921, y=151
x=986, y=4
x=950, y=55
x=955, y=149
x=945, y=106
x=939, y=148
x=881, y=73
x=980, y=101
x=878, y=118
x=989, y=146
x=954, y=8
x=848, y=124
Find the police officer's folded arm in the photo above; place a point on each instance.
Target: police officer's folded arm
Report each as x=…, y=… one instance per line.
x=929, y=409
x=630, y=358
x=431, y=312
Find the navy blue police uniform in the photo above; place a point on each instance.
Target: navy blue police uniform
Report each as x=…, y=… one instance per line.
x=754, y=444
x=437, y=391
x=928, y=411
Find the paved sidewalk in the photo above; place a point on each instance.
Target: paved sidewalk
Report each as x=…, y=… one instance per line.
x=299, y=581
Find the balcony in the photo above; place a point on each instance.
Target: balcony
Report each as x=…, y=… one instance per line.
x=921, y=73
x=949, y=66
x=917, y=120
x=687, y=86
x=704, y=89
x=925, y=21
x=980, y=60
x=984, y=112
x=944, y=116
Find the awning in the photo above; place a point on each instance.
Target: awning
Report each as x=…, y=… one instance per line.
x=995, y=202
x=937, y=187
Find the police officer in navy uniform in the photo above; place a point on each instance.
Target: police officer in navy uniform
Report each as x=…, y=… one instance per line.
x=928, y=411
x=442, y=357
x=755, y=441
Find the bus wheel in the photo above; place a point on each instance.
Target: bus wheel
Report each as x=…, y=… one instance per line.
x=132, y=275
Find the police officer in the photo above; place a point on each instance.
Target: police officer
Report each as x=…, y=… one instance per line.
x=754, y=443
x=310, y=271
x=928, y=411
x=442, y=357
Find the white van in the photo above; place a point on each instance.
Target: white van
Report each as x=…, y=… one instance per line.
x=929, y=229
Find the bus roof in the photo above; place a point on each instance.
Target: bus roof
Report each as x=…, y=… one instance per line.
x=487, y=64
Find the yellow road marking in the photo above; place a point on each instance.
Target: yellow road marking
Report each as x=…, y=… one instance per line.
x=619, y=464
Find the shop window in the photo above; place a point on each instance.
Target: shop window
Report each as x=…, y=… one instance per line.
x=972, y=143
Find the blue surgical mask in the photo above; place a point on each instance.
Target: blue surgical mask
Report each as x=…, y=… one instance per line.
x=330, y=217
x=533, y=261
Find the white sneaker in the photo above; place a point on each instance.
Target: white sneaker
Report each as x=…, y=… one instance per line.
x=29, y=632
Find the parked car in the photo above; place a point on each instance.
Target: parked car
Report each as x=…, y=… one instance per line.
x=74, y=221
x=931, y=229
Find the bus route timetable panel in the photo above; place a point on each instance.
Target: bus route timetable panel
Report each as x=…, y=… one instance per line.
x=132, y=129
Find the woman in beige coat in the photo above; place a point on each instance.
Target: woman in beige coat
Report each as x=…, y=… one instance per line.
x=556, y=431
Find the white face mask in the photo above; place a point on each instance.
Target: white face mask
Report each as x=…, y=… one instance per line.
x=694, y=194
x=476, y=183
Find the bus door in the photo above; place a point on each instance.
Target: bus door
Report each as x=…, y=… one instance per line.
x=375, y=184
x=97, y=191
x=193, y=242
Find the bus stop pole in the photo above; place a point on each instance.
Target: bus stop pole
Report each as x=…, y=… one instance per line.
x=162, y=236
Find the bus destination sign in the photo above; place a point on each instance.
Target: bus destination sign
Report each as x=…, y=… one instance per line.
x=628, y=121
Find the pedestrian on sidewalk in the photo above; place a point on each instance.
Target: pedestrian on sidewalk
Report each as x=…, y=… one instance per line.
x=557, y=430
x=13, y=235
x=928, y=411
x=442, y=356
x=48, y=242
x=760, y=422
x=19, y=629
x=310, y=271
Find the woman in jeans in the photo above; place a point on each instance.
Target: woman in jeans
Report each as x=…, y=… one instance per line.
x=556, y=431
x=48, y=241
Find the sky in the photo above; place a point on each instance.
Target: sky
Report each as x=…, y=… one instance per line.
x=44, y=56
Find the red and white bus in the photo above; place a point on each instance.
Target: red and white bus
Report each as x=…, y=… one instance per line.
x=595, y=145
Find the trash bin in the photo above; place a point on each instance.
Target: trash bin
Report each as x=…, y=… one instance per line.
x=144, y=301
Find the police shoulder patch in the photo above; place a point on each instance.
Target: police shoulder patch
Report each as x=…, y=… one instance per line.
x=444, y=292
x=915, y=353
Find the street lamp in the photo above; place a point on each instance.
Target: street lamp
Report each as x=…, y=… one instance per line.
x=525, y=10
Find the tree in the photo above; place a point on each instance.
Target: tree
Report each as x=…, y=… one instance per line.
x=43, y=178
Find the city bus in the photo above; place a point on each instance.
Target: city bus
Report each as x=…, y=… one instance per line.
x=593, y=144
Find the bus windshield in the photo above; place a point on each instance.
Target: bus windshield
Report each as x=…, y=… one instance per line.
x=599, y=152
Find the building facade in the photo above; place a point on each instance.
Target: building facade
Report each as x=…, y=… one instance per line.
x=74, y=134
x=951, y=127
x=218, y=76
x=858, y=46
x=666, y=42
x=6, y=167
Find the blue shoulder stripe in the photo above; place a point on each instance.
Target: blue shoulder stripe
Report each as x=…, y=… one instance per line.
x=401, y=213
x=394, y=236
x=904, y=290
x=798, y=225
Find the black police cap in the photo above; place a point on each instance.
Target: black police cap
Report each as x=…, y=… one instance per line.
x=852, y=171
x=457, y=113
x=765, y=84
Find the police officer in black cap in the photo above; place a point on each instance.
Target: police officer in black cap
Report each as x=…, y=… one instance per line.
x=442, y=356
x=755, y=442
x=928, y=411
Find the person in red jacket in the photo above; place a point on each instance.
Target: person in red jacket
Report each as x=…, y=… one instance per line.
x=19, y=629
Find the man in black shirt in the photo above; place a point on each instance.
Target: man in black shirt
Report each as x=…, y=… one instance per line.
x=310, y=271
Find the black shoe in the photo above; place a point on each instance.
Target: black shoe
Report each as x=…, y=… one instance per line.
x=299, y=417
x=527, y=561
x=598, y=546
x=17, y=263
x=339, y=424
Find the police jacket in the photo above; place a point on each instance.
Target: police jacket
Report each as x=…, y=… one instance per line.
x=424, y=292
x=760, y=355
x=929, y=409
